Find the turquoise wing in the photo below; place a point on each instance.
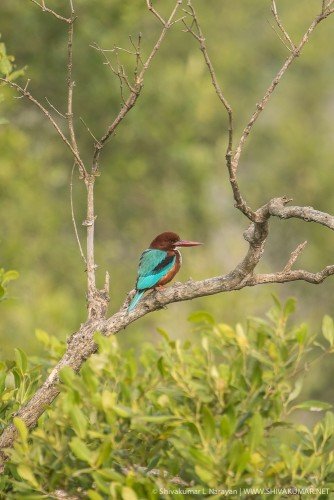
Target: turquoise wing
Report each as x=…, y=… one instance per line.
x=153, y=265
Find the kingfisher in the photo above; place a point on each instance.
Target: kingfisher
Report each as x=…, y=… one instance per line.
x=159, y=263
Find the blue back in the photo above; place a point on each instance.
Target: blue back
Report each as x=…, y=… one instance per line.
x=153, y=265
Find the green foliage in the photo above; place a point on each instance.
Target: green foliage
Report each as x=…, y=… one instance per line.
x=6, y=61
x=210, y=413
x=5, y=278
x=7, y=70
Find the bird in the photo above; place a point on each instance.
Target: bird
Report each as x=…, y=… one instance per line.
x=159, y=264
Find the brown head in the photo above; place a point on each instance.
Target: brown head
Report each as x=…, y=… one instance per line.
x=170, y=241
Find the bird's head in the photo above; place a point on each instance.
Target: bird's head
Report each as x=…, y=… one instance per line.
x=170, y=241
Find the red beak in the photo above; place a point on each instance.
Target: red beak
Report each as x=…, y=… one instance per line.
x=185, y=243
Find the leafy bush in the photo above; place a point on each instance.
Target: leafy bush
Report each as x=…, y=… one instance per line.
x=215, y=414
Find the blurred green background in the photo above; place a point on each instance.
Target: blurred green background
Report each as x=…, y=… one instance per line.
x=164, y=169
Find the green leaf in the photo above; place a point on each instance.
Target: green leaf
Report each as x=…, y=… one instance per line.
x=328, y=424
x=14, y=75
x=201, y=317
x=301, y=334
x=128, y=493
x=27, y=474
x=10, y=276
x=163, y=334
x=3, y=376
x=226, y=426
x=328, y=329
x=205, y=475
x=81, y=450
x=256, y=431
x=289, y=306
x=108, y=400
x=296, y=391
x=21, y=427
x=79, y=421
x=93, y=495
x=209, y=424
x=122, y=411
x=313, y=405
x=104, y=453
x=155, y=419
x=42, y=337
x=21, y=360
x=67, y=376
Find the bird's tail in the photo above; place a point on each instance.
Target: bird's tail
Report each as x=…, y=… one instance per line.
x=135, y=299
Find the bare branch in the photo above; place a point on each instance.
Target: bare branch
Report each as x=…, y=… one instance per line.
x=201, y=39
x=277, y=207
x=55, y=14
x=294, y=256
x=54, y=108
x=88, y=129
x=232, y=159
x=285, y=277
x=131, y=100
x=240, y=204
x=326, y=5
x=28, y=95
x=279, y=36
x=280, y=25
x=155, y=13
x=73, y=217
x=90, y=224
x=70, y=86
x=195, y=30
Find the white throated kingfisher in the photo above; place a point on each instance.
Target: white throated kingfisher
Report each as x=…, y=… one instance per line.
x=159, y=263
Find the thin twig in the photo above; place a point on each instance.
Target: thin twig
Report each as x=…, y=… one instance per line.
x=280, y=25
x=199, y=36
x=55, y=14
x=279, y=36
x=131, y=100
x=155, y=13
x=88, y=129
x=29, y=96
x=294, y=256
x=70, y=86
x=54, y=108
x=240, y=204
x=73, y=216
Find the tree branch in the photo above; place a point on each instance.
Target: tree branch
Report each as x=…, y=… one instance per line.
x=70, y=86
x=24, y=92
x=281, y=27
x=81, y=344
x=240, y=204
x=50, y=11
x=73, y=217
x=138, y=85
x=233, y=159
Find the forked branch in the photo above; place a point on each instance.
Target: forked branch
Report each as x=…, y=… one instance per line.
x=137, y=85
x=233, y=157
